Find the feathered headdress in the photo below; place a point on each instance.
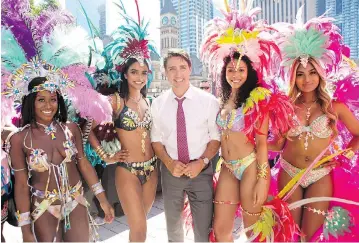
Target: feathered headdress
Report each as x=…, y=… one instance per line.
x=238, y=32
x=48, y=45
x=318, y=39
x=130, y=41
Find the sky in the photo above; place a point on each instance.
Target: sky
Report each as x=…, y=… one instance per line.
x=149, y=10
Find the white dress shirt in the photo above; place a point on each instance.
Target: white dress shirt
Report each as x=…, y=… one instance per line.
x=200, y=110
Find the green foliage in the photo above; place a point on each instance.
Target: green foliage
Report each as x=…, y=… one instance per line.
x=36, y=9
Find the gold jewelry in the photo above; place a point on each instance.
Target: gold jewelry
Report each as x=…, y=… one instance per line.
x=349, y=155
x=249, y=213
x=262, y=170
x=308, y=108
x=101, y=153
x=144, y=133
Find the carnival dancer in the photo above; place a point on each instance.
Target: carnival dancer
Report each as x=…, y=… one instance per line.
x=47, y=148
x=129, y=67
x=312, y=52
x=238, y=51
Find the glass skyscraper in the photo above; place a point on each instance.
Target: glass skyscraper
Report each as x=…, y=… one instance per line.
x=192, y=17
x=346, y=13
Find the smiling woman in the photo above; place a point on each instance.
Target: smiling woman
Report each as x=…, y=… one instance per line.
x=49, y=150
x=43, y=106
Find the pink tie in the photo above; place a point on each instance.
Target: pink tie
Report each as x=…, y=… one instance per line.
x=182, y=145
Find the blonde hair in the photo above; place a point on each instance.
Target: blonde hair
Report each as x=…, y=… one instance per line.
x=322, y=93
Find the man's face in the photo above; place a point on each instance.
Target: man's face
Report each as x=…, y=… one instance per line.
x=178, y=72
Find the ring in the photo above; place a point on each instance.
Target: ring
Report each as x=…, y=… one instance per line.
x=189, y=174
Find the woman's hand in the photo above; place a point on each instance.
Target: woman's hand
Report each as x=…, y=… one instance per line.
x=120, y=156
x=109, y=212
x=260, y=192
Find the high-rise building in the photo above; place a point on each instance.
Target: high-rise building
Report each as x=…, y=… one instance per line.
x=284, y=10
x=346, y=14
x=102, y=21
x=192, y=18
x=96, y=10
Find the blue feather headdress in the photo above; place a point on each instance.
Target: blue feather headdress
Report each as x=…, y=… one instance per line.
x=130, y=41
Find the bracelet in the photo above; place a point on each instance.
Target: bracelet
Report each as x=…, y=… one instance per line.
x=250, y=214
x=23, y=218
x=262, y=171
x=97, y=188
x=101, y=152
x=349, y=155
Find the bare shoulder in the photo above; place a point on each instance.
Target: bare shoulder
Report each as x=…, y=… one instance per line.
x=338, y=106
x=72, y=126
x=18, y=137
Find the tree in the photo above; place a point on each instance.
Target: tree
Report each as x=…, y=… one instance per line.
x=36, y=9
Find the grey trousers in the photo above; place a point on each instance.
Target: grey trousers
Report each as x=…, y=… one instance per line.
x=200, y=194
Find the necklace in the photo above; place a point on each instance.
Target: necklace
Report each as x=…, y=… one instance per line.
x=143, y=134
x=308, y=109
x=49, y=130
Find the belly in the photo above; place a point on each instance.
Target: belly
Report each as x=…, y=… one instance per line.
x=132, y=141
x=295, y=153
x=236, y=146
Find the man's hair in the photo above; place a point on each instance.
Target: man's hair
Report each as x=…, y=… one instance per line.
x=176, y=53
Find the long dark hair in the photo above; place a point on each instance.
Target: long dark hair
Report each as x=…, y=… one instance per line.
x=124, y=89
x=28, y=104
x=244, y=91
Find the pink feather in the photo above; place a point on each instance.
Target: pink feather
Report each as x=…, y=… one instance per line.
x=77, y=74
x=90, y=103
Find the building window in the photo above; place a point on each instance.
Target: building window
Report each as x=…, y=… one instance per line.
x=340, y=26
x=321, y=7
x=338, y=7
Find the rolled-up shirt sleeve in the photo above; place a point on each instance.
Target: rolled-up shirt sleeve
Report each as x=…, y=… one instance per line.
x=213, y=110
x=156, y=135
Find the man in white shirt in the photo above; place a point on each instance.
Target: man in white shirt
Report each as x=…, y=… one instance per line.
x=185, y=137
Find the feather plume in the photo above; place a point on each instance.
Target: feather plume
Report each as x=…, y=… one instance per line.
x=15, y=16
x=98, y=109
x=66, y=45
x=238, y=31
x=318, y=38
x=12, y=55
x=130, y=41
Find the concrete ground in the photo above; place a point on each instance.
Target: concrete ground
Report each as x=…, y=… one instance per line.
x=118, y=231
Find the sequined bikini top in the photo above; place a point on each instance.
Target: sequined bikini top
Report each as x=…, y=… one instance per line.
x=129, y=120
x=319, y=128
x=234, y=120
x=38, y=159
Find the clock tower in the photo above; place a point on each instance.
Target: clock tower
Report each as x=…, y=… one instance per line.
x=169, y=27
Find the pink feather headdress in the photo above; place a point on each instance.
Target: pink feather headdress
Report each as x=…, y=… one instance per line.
x=318, y=40
x=238, y=32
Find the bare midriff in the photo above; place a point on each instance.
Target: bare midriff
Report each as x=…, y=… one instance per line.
x=131, y=141
x=295, y=154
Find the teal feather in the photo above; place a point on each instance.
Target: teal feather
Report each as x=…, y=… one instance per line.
x=337, y=222
x=12, y=55
x=66, y=46
x=92, y=81
x=92, y=156
x=311, y=42
x=91, y=26
x=124, y=34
